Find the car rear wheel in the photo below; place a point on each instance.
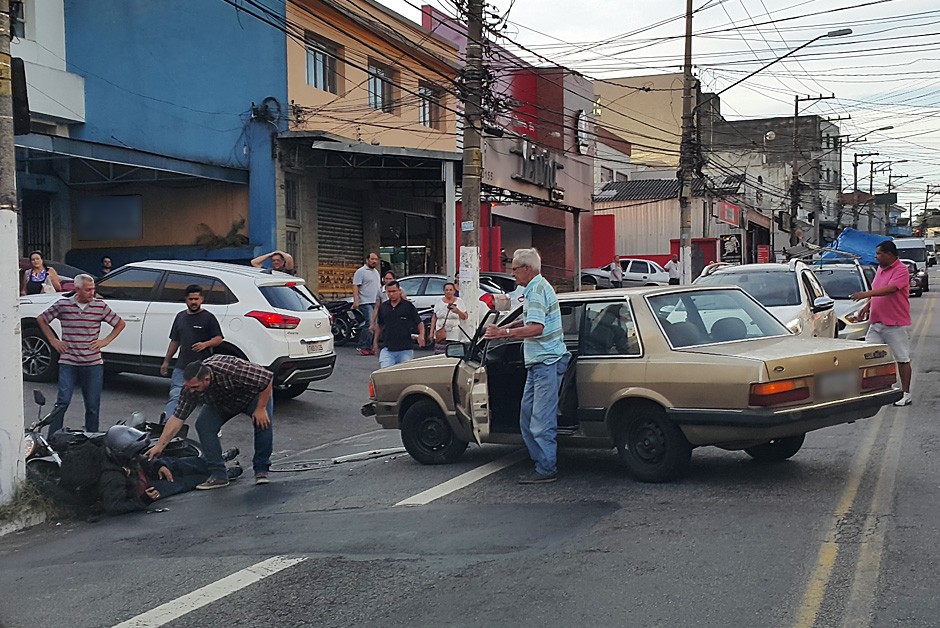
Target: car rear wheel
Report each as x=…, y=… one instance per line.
x=427, y=435
x=651, y=446
x=40, y=360
x=777, y=449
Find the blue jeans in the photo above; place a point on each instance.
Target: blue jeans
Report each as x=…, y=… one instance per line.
x=176, y=386
x=188, y=473
x=365, y=335
x=209, y=423
x=389, y=358
x=538, y=417
x=91, y=380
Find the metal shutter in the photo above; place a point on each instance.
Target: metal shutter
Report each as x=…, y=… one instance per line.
x=339, y=226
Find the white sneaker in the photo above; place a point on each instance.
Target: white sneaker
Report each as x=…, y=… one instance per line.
x=905, y=400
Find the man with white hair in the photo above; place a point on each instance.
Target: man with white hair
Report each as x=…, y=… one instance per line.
x=546, y=359
x=80, y=348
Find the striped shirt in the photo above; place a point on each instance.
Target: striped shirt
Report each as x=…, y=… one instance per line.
x=80, y=327
x=540, y=306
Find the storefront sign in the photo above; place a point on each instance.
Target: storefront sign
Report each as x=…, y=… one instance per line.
x=537, y=175
x=536, y=165
x=731, y=248
x=729, y=214
x=763, y=253
x=585, y=135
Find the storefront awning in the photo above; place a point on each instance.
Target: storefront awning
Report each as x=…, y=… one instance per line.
x=103, y=163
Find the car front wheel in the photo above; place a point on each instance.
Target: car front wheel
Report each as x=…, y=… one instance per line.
x=777, y=449
x=651, y=446
x=427, y=435
x=40, y=360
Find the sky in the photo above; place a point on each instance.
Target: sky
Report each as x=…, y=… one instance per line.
x=885, y=73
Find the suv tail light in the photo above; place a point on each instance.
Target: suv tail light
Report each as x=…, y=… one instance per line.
x=784, y=391
x=879, y=376
x=487, y=298
x=273, y=320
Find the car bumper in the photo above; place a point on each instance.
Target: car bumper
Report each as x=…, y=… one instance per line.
x=290, y=371
x=832, y=412
x=368, y=409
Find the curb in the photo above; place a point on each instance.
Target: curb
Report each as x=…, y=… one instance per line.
x=22, y=523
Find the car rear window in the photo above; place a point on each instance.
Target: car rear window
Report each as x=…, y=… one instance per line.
x=293, y=298
x=840, y=283
x=771, y=288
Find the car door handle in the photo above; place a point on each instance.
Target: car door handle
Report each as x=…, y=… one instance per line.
x=133, y=319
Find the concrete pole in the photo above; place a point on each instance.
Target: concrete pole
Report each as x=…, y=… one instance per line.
x=686, y=158
x=450, y=220
x=472, y=161
x=11, y=373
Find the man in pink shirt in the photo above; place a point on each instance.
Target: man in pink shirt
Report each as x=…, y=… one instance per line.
x=890, y=311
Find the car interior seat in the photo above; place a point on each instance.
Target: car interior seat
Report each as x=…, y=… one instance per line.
x=725, y=329
x=683, y=334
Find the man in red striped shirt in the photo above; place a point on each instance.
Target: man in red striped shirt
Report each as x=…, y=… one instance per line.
x=79, y=349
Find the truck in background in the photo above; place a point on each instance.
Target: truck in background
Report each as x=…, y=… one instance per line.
x=915, y=249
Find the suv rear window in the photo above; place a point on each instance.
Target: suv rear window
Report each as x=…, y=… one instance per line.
x=770, y=288
x=292, y=298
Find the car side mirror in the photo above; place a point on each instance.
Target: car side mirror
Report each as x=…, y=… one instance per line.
x=456, y=350
x=822, y=304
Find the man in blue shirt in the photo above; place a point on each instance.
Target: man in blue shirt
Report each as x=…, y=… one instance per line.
x=546, y=359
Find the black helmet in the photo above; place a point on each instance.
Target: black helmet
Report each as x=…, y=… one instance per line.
x=123, y=443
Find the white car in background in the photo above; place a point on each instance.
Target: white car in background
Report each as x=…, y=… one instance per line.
x=790, y=291
x=267, y=317
x=636, y=272
x=841, y=280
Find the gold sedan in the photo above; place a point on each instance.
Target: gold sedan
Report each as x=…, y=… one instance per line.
x=655, y=372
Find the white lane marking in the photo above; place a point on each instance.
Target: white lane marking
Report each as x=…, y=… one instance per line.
x=464, y=480
x=174, y=609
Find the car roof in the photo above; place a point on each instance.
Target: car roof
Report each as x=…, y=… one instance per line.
x=607, y=294
x=206, y=267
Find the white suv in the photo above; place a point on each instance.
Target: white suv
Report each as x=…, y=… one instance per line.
x=269, y=318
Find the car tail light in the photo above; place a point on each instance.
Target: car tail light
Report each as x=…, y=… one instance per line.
x=273, y=320
x=879, y=376
x=371, y=389
x=487, y=298
x=784, y=391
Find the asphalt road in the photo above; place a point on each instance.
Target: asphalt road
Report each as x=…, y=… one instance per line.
x=844, y=534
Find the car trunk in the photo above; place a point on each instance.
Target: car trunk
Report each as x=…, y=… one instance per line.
x=311, y=336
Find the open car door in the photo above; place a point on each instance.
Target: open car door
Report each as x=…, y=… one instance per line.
x=471, y=394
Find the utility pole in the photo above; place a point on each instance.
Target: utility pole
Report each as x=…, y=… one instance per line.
x=469, y=263
x=795, y=182
x=686, y=156
x=855, y=186
x=11, y=373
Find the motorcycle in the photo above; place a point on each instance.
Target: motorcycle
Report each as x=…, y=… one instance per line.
x=42, y=461
x=347, y=322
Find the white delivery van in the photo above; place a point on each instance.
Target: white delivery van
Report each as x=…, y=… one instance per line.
x=914, y=249
x=931, y=245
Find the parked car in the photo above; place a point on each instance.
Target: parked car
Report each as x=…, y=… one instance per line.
x=841, y=280
x=917, y=278
x=636, y=272
x=426, y=290
x=66, y=273
x=915, y=250
x=790, y=291
x=266, y=317
x=655, y=372
x=504, y=281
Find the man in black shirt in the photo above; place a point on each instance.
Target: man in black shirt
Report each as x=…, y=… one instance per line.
x=396, y=320
x=195, y=332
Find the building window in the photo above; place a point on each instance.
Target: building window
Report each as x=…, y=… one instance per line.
x=291, y=237
x=380, y=87
x=291, y=200
x=321, y=64
x=621, y=177
x=607, y=174
x=429, y=108
x=17, y=19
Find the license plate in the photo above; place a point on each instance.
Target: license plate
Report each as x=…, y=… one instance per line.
x=314, y=347
x=836, y=385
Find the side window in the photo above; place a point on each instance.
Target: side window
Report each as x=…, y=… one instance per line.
x=813, y=289
x=174, y=287
x=571, y=323
x=133, y=284
x=412, y=287
x=609, y=329
x=218, y=294
x=640, y=268
x=435, y=286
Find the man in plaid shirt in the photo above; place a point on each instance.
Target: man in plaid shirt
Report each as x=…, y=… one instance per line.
x=227, y=386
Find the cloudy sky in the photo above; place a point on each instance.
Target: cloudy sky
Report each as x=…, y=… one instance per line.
x=886, y=73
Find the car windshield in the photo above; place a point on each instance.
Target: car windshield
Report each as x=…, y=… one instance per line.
x=690, y=319
x=294, y=298
x=840, y=283
x=771, y=287
x=913, y=254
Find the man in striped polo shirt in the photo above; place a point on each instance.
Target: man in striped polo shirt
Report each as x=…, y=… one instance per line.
x=546, y=359
x=79, y=349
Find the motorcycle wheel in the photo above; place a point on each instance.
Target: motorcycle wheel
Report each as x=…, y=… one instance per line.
x=40, y=472
x=341, y=332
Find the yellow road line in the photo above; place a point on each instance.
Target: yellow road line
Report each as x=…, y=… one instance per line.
x=829, y=550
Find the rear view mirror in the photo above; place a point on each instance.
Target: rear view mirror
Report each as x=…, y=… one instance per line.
x=39, y=398
x=822, y=304
x=456, y=350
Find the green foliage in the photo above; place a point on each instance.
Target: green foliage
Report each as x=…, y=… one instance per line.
x=208, y=238
x=27, y=501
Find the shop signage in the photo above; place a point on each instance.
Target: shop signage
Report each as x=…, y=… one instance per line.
x=584, y=133
x=731, y=248
x=763, y=253
x=536, y=165
x=729, y=214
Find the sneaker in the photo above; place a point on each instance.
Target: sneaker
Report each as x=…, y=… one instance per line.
x=213, y=483
x=537, y=478
x=234, y=472
x=365, y=352
x=906, y=400
x=230, y=454
x=261, y=477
